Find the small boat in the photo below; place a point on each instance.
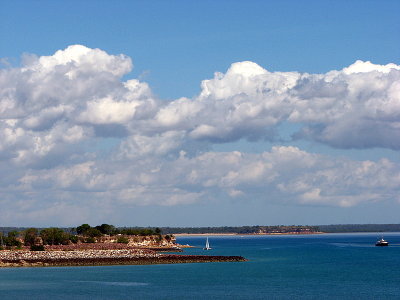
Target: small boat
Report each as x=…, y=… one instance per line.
x=381, y=242
x=207, y=247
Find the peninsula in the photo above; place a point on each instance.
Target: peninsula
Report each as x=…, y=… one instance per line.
x=92, y=246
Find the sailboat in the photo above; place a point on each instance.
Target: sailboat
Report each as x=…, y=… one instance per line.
x=207, y=247
x=382, y=242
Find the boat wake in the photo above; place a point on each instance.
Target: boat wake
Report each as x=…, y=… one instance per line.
x=343, y=245
x=116, y=283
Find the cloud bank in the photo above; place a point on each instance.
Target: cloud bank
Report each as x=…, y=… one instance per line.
x=72, y=129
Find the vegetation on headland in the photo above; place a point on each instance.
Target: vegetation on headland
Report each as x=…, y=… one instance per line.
x=86, y=228
x=11, y=240
x=105, y=233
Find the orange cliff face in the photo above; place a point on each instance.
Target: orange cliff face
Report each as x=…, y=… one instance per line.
x=166, y=241
x=111, y=242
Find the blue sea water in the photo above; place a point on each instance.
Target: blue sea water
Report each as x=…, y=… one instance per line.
x=328, y=266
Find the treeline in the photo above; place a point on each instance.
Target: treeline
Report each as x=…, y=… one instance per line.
x=34, y=236
x=242, y=229
x=341, y=228
x=200, y=230
x=92, y=231
x=86, y=229
x=19, y=236
x=11, y=238
x=347, y=228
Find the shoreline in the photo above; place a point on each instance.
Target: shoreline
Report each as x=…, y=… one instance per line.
x=245, y=234
x=10, y=259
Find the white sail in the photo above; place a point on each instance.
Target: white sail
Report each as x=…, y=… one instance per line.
x=207, y=247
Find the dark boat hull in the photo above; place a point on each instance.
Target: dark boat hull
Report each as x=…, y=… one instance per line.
x=382, y=244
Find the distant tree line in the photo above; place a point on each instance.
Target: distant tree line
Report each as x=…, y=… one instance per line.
x=343, y=228
x=241, y=229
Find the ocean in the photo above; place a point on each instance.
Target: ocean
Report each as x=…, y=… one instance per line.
x=327, y=266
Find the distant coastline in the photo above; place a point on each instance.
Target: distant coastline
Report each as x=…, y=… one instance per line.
x=281, y=229
x=246, y=234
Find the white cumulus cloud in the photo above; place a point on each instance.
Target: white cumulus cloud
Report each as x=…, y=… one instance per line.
x=72, y=129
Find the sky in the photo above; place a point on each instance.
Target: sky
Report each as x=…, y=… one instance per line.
x=199, y=113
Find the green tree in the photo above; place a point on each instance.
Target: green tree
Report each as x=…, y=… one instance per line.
x=83, y=228
x=93, y=232
x=106, y=229
x=54, y=236
x=12, y=240
x=123, y=240
x=146, y=231
x=90, y=240
x=2, y=241
x=30, y=236
x=73, y=238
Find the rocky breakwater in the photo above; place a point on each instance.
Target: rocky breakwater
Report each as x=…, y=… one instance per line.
x=102, y=257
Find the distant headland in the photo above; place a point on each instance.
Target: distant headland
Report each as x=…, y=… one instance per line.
x=282, y=229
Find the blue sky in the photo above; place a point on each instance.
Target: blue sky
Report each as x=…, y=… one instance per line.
x=176, y=44
x=138, y=151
